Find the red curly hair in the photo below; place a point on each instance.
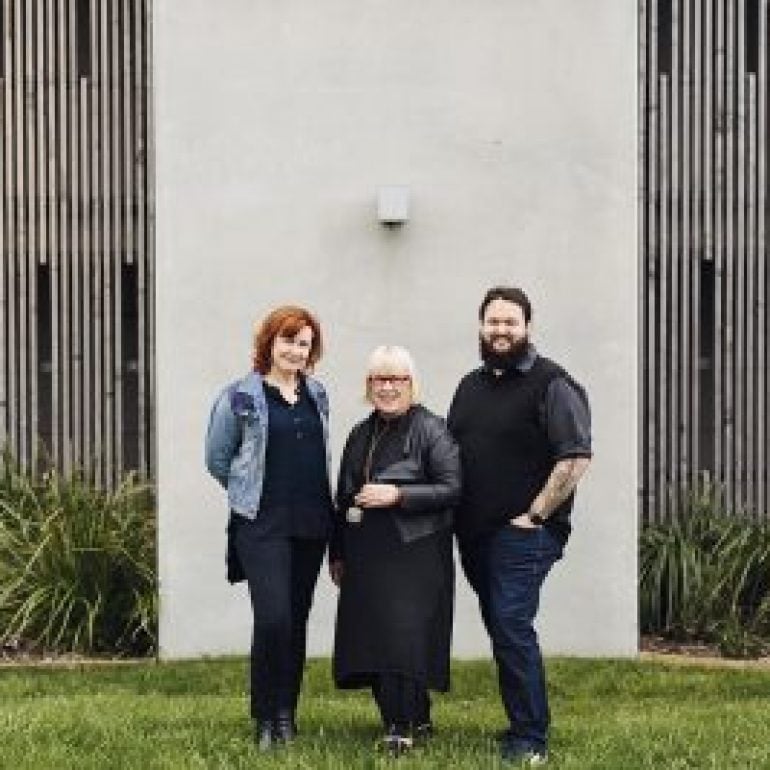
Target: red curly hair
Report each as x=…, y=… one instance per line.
x=284, y=321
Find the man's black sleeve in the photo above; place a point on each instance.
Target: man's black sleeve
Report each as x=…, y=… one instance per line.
x=568, y=419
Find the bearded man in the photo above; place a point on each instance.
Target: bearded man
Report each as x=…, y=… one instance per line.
x=523, y=427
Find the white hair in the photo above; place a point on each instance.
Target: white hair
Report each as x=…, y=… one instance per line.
x=391, y=359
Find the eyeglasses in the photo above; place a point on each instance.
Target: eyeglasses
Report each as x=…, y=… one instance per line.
x=378, y=380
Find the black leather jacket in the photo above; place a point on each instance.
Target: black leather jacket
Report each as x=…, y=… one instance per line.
x=428, y=477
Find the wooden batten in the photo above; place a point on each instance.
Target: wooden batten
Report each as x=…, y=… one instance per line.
x=74, y=203
x=704, y=251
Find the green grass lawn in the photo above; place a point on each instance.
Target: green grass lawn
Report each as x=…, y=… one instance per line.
x=606, y=714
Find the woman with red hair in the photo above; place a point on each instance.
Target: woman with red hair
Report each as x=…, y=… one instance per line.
x=268, y=445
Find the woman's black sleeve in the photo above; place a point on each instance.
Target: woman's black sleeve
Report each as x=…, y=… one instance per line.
x=441, y=459
x=342, y=501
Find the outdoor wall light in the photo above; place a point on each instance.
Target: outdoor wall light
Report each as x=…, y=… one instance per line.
x=393, y=205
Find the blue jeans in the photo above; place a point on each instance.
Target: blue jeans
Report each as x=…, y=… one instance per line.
x=506, y=570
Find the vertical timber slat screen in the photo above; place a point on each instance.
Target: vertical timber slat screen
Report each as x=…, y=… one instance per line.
x=76, y=321
x=704, y=211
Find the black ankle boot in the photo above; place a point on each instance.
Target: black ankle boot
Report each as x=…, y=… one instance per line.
x=285, y=729
x=423, y=731
x=264, y=734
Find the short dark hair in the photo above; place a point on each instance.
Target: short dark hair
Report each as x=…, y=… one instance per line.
x=509, y=294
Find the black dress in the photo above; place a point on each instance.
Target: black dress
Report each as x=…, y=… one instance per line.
x=396, y=598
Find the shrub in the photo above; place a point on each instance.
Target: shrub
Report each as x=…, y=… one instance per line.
x=705, y=575
x=77, y=563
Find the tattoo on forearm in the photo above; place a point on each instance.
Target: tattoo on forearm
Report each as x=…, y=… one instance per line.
x=560, y=485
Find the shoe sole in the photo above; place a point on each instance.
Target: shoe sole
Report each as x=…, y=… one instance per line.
x=397, y=747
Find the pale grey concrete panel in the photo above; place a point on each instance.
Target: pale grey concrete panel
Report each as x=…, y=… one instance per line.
x=514, y=127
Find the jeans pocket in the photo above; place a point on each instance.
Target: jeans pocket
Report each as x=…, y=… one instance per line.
x=525, y=531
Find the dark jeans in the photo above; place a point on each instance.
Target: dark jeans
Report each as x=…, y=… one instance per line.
x=506, y=570
x=402, y=700
x=281, y=573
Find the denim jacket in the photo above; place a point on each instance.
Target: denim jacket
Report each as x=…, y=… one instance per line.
x=236, y=439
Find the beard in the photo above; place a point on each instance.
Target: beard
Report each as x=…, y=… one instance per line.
x=506, y=361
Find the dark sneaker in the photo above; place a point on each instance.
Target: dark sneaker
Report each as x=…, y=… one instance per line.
x=396, y=742
x=264, y=734
x=525, y=756
x=285, y=728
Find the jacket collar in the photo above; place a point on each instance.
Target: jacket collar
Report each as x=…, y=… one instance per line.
x=252, y=385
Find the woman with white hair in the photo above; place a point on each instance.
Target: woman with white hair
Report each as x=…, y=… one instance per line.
x=391, y=554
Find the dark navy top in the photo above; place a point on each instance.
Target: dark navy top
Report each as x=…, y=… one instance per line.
x=296, y=499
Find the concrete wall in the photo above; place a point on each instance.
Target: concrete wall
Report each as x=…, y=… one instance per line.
x=514, y=125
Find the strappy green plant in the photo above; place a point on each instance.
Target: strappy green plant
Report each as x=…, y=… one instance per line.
x=705, y=575
x=77, y=563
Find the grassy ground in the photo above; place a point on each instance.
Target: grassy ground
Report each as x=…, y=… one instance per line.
x=607, y=714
